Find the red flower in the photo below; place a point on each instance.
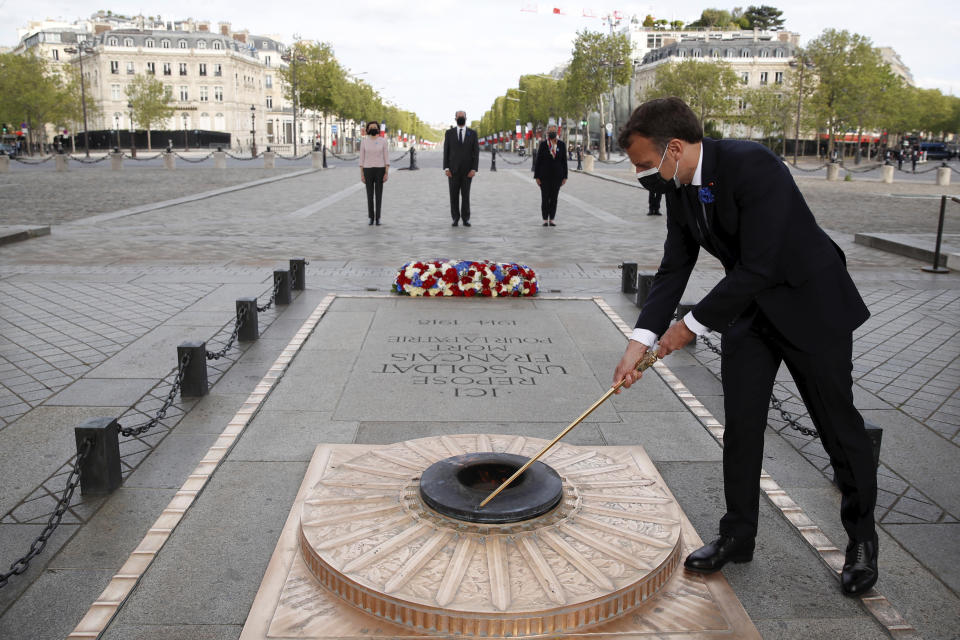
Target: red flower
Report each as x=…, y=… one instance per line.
x=429, y=282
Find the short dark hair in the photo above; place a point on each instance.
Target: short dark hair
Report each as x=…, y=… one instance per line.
x=661, y=120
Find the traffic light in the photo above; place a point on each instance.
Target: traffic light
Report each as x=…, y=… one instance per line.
x=583, y=123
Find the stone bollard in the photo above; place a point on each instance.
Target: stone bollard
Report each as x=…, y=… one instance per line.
x=269, y=159
x=833, y=172
x=588, y=163
x=219, y=160
x=316, y=160
x=194, y=384
x=493, y=160
x=281, y=283
x=61, y=162
x=683, y=309
x=4, y=163
x=251, y=325
x=169, y=161
x=100, y=471
x=628, y=277
x=888, y=173
x=413, y=159
x=298, y=274
x=116, y=161
x=644, y=282
x=943, y=176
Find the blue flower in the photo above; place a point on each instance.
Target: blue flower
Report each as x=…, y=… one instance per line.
x=416, y=281
x=706, y=195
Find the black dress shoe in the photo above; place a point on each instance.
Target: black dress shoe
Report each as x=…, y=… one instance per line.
x=860, y=571
x=724, y=549
x=466, y=224
x=377, y=223
x=456, y=223
x=653, y=213
x=544, y=224
x=371, y=221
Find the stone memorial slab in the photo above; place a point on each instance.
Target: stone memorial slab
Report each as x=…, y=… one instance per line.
x=493, y=360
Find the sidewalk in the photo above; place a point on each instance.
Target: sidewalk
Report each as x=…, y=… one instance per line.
x=97, y=309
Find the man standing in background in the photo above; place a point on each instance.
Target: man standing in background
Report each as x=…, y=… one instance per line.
x=461, y=158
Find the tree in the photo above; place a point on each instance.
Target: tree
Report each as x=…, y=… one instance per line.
x=31, y=93
x=150, y=101
x=321, y=81
x=713, y=18
x=764, y=18
x=648, y=21
x=676, y=25
x=710, y=88
x=600, y=62
x=768, y=112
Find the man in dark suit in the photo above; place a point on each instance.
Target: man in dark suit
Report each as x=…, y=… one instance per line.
x=550, y=172
x=461, y=159
x=786, y=297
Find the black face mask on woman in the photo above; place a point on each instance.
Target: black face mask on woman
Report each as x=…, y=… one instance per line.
x=374, y=132
x=651, y=180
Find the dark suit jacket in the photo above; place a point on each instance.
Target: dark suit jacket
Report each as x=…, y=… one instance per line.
x=461, y=158
x=773, y=251
x=548, y=168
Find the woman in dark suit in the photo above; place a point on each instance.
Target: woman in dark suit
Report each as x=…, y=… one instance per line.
x=550, y=173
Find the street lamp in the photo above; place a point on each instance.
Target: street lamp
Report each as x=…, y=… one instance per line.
x=293, y=58
x=116, y=128
x=133, y=142
x=81, y=49
x=253, y=130
x=613, y=100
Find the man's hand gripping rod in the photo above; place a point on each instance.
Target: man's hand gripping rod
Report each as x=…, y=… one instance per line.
x=643, y=364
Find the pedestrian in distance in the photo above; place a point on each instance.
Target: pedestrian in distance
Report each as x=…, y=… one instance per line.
x=653, y=203
x=914, y=158
x=786, y=297
x=374, y=169
x=550, y=172
x=461, y=160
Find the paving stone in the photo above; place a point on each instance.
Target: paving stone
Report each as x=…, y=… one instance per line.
x=103, y=392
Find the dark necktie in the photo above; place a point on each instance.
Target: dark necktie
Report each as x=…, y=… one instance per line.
x=461, y=135
x=699, y=215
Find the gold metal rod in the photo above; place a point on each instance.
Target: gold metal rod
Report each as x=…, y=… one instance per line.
x=644, y=363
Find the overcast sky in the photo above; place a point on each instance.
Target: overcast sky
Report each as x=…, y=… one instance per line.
x=437, y=56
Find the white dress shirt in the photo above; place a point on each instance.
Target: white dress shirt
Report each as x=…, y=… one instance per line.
x=649, y=338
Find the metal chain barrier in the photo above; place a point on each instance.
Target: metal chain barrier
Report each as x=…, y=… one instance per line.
x=503, y=158
x=144, y=159
x=216, y=355
x=862, y=170
x=21, y=565
x=401, y=156
x=294, y=158
x=22, y=161
x=344, y=158
x=162, y=412
x=244, y=158
x=83, y=160
x=775, y=402
x=273, y=296
x=613, y=161
x=918, y=172
x=799, y=168
x=195, y=161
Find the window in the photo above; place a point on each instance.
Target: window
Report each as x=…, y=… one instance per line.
x=715, y=53
x=203, y=68
x=745, y=53
x=203, y=94
x=168, y=91
x=114, y=92
x=182, y=44
x=269, y=102
x=218, y=94
x=745, y=77
x=218, y=69
x=217, y=45
x=778, y=53
x=202, y=44
x=130, y=70
x=56, y=54
x=731, y=53
x=183, y=68
x=264, y=44
x=778, y=77
x=152, y=68
x=763, y=77
x=697, y=53
x=205, y=121
x=114, y=66
x=266, y=60
x=742, y=104
x=164, y=44
x=113, y=42
x=219, y=123
x=184, y=95
x=268, y=82
x=166, y=68
x=764, y=53
x=150, y=43
x=683, y=53
x=128, y=42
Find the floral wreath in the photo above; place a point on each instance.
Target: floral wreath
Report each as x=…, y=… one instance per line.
x=466, y=278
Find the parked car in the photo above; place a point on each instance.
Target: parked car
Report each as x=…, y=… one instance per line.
x=936, y=150
x=6, y=149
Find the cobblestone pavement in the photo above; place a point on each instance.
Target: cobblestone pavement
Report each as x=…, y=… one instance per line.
x=93, y=289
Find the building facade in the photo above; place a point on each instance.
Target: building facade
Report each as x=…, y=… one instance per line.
x=219, y=79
